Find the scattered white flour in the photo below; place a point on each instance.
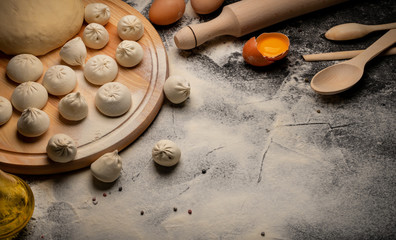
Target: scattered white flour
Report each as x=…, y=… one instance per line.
x=138, y=4
x=272, y=162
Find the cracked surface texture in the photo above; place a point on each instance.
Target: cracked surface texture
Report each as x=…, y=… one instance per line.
x=262, y=154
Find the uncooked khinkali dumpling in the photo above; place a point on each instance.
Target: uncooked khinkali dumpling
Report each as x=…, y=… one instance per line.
x=59, y=80
x=74, y=52
x=24, y=67
x=97, y=13
x=100, y=69
x=177, y=89
x=33, y=122
x=129, y=53
x=130, y=27
x=73, y=107
x=61, y=148
x=95, y=36
x=5, y=110
x=29, y=94
x=113, y=99
x=108, y=167
x=166, y=153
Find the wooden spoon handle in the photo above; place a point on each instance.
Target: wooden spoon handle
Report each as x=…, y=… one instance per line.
x=349, y=31
x=382, y=26
x=341, y=55
x=387, y=40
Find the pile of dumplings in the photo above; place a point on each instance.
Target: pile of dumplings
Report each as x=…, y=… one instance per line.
x=30, y=97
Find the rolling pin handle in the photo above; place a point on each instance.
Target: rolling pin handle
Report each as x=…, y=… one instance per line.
x=185, y=38
x=194, y=35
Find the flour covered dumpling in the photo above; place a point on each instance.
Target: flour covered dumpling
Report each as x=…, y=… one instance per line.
x=59, y=80
x=74, y=52
x=108, y=167
x=95, y=36
x=73, y=107
x=29, y=94
x=177, y=89
x=24, y=67
x=33, y=122
x=97, y=13
x=129, y=53
x=5, y=110
x=61, y=148
x=166, y=153
x=100, y=69
x=130, y=27
x=113, y=99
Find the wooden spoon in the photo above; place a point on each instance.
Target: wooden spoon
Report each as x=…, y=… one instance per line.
x=342, y=76
x=349, y=31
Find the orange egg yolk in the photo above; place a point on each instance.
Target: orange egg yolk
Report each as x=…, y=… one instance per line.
x=272, y=46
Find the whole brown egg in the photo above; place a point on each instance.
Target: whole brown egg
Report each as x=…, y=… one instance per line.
x=165, y=12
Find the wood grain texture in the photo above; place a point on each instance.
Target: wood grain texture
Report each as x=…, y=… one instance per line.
x=243, y=17
x=96, y=134
x=342, y=55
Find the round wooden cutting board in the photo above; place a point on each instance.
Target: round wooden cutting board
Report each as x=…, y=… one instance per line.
x=96, y=134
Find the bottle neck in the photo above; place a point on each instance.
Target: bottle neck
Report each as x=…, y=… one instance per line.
x=6, y=179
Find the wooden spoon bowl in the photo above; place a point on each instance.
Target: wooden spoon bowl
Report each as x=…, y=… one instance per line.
x=342, y=76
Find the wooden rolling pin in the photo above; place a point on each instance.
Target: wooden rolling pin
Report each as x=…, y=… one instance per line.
x=247, y=16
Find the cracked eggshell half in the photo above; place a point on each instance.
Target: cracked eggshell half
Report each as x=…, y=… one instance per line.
x=266, y=49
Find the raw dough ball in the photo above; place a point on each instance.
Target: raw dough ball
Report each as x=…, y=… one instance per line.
x=177, y=89
x=33, y=122
x=59, y=80
x=113, y=99
x=130, y=27
x=24, y=67
x=5, y=110
x=97, y=13
x=129, y=53
x=95, y=36
x=166, y=153
x=38, y=26
x=74, y=52
x=73, y=107
x=29, y=94
x=61, y=148
x=108, y=167
x=100, y=69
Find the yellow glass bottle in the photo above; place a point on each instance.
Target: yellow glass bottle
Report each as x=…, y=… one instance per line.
x=16, y=205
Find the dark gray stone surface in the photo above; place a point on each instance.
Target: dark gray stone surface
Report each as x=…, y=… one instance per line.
x=277, y=157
